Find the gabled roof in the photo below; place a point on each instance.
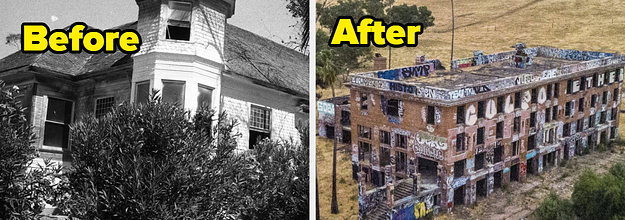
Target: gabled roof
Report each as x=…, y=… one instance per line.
x=246, y=54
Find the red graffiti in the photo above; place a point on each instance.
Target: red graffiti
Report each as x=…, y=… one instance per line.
x=523, y=167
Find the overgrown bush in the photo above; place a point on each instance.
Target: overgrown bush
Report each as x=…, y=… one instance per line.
x=157, y=161
x=600, y=197
x=154, y=161
x=553, y=207
x=23, y=191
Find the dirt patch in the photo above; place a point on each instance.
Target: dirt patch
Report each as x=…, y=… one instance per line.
x=519, y=200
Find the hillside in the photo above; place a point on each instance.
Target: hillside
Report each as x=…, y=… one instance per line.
x=494, y=26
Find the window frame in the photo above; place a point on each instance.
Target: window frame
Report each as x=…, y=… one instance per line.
x=95, y=106
x=46, y=120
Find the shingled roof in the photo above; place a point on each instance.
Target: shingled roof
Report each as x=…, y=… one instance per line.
x=246, y=54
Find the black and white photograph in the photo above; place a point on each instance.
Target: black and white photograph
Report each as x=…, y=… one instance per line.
x=207, y=119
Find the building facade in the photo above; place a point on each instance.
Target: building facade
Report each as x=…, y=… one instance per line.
x=491, y=120
x=190, y=54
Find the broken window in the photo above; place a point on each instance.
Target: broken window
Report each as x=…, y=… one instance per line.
x=556, y=90
x=260, y=120
x=142, y=93
x=480, y=135
x=103, y=106
x=347, y=136
x=459, y=168
x=517, y=124
x=517, y=100
x=363, y=102
x=392, y=107
x=499, y=131
x=498, y=154
x=500, y=103
x=555, y=113
x=481, y=110
x=173, y=92
x=205, y=96
x=385, y=137
x=385, y=156
x=364, y=150
x=179, y=21
x=479, y=161
x=531, y=142
x=431, y=117
x=549, y=92
x=581, y=105
x=460, y=143
x=547, y=114
x=364, y=132
x=567, y=130
x=345, y=118
x=460, y=114
x=58, y=118
x=402, y=162
x=401, y=141
x=580, y=125
x=515, y=148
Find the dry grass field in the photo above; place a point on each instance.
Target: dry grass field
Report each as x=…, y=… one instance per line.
x=491, y=26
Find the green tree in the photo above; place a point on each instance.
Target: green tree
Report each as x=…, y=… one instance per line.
x=411, y=14
x=23, y=189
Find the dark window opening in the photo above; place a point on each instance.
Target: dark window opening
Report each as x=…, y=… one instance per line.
x=481, y=109
x=480, y=189
x=497, y=179
x=347, y=137
x=257, y=136
x=533, y=120
x=460, y=142
x=392, y=107
x=569, y=87
x=479, y=161
x=364, y=152
x=567, y=109
x=549, y=92
x=595, y=82
x=480, y=135
x=515, y=148
x=385, y=137
x=499, y=130
x=514, y=173
x=500, y=104
x=330, y=132
x=58, y=118
x=615, y=95
x=517, y=100
x=460, y=114
x=498, y=154
x=385, y=157
x=547, y=114
x=364, y=132
x=581, y=105
x=517, y=124
x=363, y=102
x=567, y=130
x=402, y=162
x=179, y=21
x=556, y=90
x=555, y=113
x=401, y=141
x=534, y=96
x=143, y=92
x=531, y=142
x=459, y=168
x=580, y=125
x=431, y=117
x=345, y=118
x=459, y=195
x=593, y=101
x=591, y=121
x=605, y=97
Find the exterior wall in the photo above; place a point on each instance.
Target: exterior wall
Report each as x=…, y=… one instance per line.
x=239, y=94
x=437, y=141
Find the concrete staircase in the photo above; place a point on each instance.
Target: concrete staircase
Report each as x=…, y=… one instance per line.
x=382, y=212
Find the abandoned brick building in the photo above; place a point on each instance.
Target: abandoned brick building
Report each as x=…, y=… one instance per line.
x=190, y=54
x=490, y=120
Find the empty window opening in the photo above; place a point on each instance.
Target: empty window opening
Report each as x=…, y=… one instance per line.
x=479, y=161
x=427, y=169
x=392, y=107
x=459, y=168
x=431, y=117
x=179, y=21
x=481, y=190
x=103, y=106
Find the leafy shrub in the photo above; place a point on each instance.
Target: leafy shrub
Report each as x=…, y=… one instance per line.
x=23, y=190
x=600, y=197
x=154, y=161
x=553, y=208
